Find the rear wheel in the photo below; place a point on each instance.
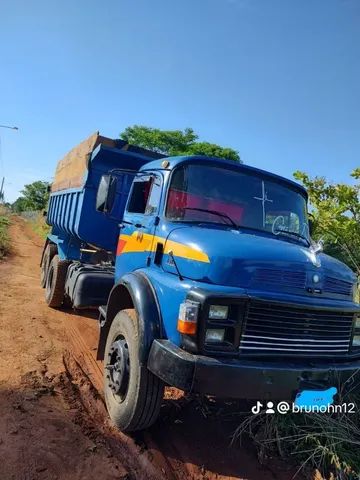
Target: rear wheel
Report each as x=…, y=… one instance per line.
x=55, y=282
x=49, y=253
x=133, y=394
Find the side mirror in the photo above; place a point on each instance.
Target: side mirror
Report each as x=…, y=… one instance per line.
x=106, y=193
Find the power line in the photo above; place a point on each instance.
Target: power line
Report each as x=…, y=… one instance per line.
x=8, y=126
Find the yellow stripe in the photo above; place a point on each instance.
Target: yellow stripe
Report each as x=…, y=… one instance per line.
x=143, y=242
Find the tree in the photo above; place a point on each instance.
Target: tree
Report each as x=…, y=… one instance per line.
x=175, y=142
x=34, y=197
x=336, y=212
x=19, y=205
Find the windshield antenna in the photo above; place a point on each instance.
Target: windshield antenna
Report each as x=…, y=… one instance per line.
x=171, y=254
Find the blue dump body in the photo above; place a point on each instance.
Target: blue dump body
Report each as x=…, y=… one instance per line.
x=72, y=212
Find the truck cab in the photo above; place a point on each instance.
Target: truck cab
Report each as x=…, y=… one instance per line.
x=220, y=290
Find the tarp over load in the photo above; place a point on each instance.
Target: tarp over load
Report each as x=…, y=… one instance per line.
x=71, y=169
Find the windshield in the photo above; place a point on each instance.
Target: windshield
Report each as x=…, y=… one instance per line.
x=200, y=193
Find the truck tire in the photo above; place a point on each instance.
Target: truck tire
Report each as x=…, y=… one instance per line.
x=133, y=395
x=55, y=282
x=49, y=253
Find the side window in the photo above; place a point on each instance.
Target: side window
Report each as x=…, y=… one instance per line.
x=139, y=195
x=154, y=197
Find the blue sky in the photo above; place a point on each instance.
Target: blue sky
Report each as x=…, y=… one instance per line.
x=277, y=80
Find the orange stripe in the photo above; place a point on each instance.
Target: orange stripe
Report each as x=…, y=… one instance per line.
x=144, y=242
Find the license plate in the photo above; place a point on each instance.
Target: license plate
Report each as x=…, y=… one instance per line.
x=315, y=398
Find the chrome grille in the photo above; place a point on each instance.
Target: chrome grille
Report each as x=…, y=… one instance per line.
x=279, y=278
x=334, y=285
x=274, y=328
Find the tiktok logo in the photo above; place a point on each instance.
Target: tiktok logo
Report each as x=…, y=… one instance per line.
x=269, y=407
x=256, y=408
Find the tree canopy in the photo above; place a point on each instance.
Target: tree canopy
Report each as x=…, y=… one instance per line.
x=175, y=142
x=34, y=197
x=336, y=212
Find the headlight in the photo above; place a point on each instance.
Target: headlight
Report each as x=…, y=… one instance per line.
x=356, y=337
x=215, y=335
x=188, y=316
x=218, y=312
x=356, y=293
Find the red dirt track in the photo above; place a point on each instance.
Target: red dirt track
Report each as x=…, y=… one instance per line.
x=53, y=423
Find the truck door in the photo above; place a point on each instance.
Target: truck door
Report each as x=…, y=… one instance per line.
x=139, y=224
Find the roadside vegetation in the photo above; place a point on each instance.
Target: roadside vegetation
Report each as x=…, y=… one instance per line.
x=31, y=204
x=322, y=446
x=39, y=225
x=335, y=209
x=33, y=198
x=4, y=235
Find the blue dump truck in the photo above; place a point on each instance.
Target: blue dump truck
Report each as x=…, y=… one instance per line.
x=205, y=277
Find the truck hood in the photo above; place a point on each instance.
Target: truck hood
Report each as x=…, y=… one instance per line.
x=234, y=258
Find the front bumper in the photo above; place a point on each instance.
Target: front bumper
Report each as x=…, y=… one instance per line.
x=248, y=379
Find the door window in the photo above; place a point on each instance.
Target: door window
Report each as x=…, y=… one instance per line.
x=139, y=195
x=145, y=195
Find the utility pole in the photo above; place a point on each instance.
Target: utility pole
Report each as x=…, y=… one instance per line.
x=2, y=190
x=2, y=198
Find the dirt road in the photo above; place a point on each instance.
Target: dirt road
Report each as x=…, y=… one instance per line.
x=53, y=424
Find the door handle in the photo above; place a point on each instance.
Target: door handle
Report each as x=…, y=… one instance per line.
x=136, y=225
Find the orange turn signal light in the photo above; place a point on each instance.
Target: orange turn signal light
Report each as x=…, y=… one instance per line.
x=188, y=328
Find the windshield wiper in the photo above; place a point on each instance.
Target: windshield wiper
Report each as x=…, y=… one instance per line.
x=295, y=234
x=213, y=212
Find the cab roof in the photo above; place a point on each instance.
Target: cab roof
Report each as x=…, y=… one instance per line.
x=184, y=159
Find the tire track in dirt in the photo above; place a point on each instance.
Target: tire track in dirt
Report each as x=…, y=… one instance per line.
x=183, y=443
x=46, y=433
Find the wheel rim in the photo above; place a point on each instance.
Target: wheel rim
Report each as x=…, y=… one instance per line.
x=118, y=368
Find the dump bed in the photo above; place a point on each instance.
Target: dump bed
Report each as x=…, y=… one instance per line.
x=72, y=211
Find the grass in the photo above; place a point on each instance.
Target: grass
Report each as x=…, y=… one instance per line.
x=39, y=225
x=326, y=443
x=4, y=236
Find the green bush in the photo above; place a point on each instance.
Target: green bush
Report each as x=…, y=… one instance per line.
x=326, y=442
x=4, y=236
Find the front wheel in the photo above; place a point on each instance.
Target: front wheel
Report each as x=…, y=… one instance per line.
x=133, y=394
